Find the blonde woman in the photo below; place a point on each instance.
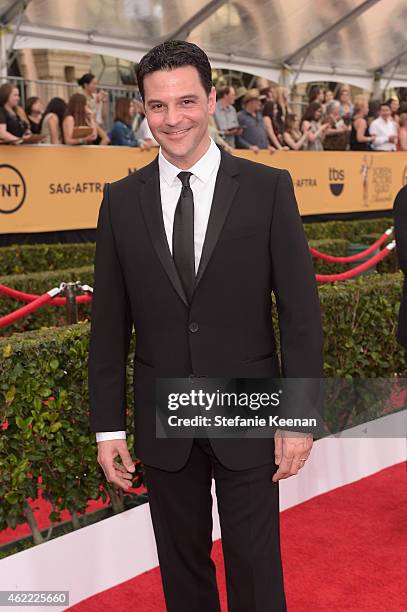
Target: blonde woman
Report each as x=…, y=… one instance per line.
x=346, y=106
x=360, y=139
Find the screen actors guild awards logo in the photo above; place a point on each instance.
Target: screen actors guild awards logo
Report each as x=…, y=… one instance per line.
x=367, y=163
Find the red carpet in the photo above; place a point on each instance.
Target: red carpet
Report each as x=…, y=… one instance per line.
x=342, y=551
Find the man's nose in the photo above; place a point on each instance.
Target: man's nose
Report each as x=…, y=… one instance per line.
x=173, y=116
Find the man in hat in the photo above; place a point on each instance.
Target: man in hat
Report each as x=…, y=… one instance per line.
x=254, y=135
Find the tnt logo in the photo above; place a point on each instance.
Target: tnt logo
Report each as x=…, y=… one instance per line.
x=12, y=189
x=336, y=181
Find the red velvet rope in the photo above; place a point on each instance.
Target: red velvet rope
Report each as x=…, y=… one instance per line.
x=351, y=258
x=24, y=311
x=329, y=278
x=31, y=297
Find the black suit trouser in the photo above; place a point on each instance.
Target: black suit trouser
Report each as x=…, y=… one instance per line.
x=181, y=512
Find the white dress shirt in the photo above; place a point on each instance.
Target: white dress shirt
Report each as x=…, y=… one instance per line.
x=202, y=181
x=382, y=130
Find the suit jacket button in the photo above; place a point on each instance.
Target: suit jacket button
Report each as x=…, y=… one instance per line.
x=193, y=327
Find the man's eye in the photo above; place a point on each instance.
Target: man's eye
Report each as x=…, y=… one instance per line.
x=186, y=102
x=157, y=106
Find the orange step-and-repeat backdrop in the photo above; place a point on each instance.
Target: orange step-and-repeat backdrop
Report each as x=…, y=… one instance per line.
x=45, y=188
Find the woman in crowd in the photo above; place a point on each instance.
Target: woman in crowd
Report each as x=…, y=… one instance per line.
x=360, y=138
x=314, y=128
x=14, y=127
x=78, y=114
x=122, y=132
x=282, y=97
x=272, y=125
x=402, y=141
x=315, y=94
x=97, y=103
x=33, y=110
x=345, y=104
x=337, y=133
x=394, y=104
x=52, y=120
x=328, y=97
x=293, y=138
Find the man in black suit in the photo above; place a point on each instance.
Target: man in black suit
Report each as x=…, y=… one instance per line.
x=189, y=250
x=400, y=233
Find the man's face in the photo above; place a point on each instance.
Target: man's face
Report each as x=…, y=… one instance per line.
x=385, y=112
x=253, y=106
x=231, y=96
x=177, y=108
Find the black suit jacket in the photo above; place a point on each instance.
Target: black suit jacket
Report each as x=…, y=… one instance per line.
x=254, y=244
x=400, y=231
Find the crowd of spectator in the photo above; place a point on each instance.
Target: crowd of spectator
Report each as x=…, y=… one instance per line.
x=329, y=122
x=253, y=119
x=79, y=121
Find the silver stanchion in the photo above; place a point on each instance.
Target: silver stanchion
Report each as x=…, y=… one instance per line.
x=71, y=305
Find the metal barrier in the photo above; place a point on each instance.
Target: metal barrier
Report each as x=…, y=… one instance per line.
x=45, y=90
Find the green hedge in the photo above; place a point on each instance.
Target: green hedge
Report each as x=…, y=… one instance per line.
x=44, y=397
x=44, y=412
x=360, y=320
x=349, y=230
x=24, y=258
x=39, y=283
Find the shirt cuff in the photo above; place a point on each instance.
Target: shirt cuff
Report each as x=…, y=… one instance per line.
x=110, y=435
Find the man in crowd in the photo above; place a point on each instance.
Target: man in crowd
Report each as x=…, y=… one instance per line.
x=384, y=129
x=226, y=116
x=254, y=135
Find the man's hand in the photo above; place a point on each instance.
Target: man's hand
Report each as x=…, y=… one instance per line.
x=115, y=472
x=290, y=450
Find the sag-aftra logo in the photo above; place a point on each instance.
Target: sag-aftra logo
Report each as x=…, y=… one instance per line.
x=12, y=189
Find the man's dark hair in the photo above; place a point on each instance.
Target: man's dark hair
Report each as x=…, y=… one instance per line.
x=175, y=54
x=385, y=104
x=223, y=91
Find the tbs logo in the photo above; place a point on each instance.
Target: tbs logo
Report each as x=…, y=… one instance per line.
x=336, y=181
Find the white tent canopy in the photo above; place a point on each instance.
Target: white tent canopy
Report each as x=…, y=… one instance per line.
x=361, y=42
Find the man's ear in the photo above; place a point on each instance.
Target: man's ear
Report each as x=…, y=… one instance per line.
x=212, y=100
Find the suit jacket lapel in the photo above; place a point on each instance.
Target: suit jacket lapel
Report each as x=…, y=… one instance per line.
x=226, y=187
x=151, y=206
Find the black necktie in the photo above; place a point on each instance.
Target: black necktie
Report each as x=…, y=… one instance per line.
x=183, y=235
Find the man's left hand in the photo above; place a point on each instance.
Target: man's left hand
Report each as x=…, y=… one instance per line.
x=291, y=450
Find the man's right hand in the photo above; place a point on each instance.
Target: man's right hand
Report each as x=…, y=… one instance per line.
x=116, y=473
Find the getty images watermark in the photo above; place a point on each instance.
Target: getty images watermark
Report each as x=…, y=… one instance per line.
x=256, y=408
x=218, y=401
